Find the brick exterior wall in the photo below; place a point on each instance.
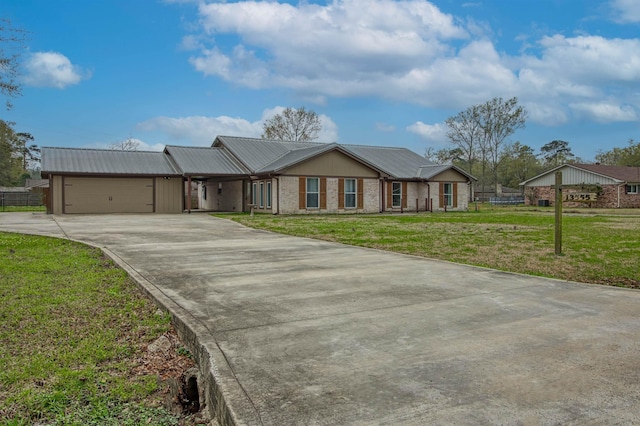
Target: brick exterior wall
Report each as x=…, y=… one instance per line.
x=420, y=192
x=607, y=199
x=289, y=203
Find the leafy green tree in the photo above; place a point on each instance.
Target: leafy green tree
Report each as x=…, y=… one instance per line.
x=627, y=156
x=293, y=125
x=11, y=170
x=29, y=152
x=556, y=152
x=517, y=164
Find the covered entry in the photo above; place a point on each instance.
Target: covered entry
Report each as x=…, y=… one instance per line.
x=108, y=195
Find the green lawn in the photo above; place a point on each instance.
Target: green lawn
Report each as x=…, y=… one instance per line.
x=72, y=326
x=598, y=246
x=22, y=209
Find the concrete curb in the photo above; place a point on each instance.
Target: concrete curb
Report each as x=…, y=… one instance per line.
x=220, y=384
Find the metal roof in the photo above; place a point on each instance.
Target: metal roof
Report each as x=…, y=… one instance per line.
x=400, y=163
x=105, y=161
x=256, y=154
x=204, y=161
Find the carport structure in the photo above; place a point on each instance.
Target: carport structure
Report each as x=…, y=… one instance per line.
x=111, y=181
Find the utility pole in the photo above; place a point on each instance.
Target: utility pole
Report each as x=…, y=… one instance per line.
x=558, y=222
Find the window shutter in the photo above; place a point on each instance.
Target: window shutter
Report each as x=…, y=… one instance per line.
x=455, y=194
x=404, y=195
x=341, y=193
x=302, y=186
x=360, y=202
x=441, y=194
x=323, y=193
x=389, y=194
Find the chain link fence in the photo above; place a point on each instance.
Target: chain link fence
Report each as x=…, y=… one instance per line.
x=20, y=199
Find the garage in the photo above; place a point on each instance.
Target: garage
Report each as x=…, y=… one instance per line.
x=108, y=195
x=109, y=181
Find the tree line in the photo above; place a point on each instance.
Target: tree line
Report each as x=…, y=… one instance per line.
x=478, y=143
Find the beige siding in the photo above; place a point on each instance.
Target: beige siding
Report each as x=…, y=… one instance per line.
x=56, y=194
x=108, y=195
x=449, y=176
x=168, y=195
x=332, y=164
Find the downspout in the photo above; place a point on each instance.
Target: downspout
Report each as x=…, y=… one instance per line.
x=278, y=195
x=620, y=186
x=383, y=199
x=428, y=206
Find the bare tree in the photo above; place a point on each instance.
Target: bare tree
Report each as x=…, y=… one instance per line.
x=499, y=119
x=129, y=144
x=12, y=43
x=293, y=125
x=465, y=133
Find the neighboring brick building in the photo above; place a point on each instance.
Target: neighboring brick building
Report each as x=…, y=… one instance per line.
x=615, y=186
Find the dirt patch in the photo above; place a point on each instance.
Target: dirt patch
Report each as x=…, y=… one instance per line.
x=171, y=362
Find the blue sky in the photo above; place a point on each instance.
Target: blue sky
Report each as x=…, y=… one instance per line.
x=378, y=72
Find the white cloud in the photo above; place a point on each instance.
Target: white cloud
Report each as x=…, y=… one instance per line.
x=410, y=51
x=626, y=11
x=201, y=131
x=52, y=69
x=605, y=112
x=431, y=132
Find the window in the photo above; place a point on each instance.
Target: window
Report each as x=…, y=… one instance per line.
x=350, y=193
x=268, y=195
x=313, y=193
x=254, y=194
x=261, y=194
x=448, y=194
x=632, y=189
x=396, y=194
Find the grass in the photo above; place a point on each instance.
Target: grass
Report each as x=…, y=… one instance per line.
x=72, y=327
x=22, y=209
x=598, y=246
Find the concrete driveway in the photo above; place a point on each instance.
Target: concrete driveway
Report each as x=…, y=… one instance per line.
x=309, y=332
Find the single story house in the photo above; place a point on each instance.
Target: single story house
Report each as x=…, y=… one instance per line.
x=245, y=174
x=595, y=185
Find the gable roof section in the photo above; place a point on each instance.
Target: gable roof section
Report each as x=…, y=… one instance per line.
x=256, y=154
x=433, y=170
x=105, y=161
x=204, y=161
x=613, y=174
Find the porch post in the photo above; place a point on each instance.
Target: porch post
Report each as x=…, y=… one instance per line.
x=189, y=194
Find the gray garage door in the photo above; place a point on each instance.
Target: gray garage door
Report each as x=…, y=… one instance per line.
x=108, y=195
